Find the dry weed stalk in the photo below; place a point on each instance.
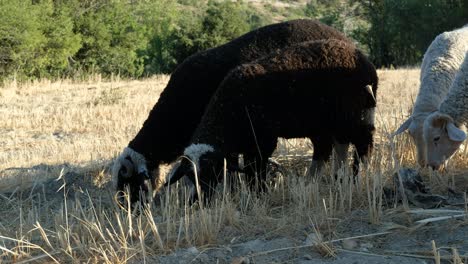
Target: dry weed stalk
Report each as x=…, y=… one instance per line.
x=374, y=187
x=465, y=199
x=324, y=248
x=436, y=252
x=456, y=257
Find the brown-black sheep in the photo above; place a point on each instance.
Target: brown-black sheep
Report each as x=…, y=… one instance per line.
x=323, y=90
x=172, y=121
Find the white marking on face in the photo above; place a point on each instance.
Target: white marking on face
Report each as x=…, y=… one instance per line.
x=137, y=159
x=416, y=132
x=195, y=151
x=414, y=125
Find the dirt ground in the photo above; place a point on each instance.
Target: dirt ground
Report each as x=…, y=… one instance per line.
x=399, y=238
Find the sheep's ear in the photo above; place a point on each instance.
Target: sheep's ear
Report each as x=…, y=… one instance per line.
x=371, y=93
x=455, y=133
x=404, y=126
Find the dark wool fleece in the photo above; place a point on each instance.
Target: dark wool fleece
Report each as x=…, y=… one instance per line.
x=172, y=121
x=313, y=89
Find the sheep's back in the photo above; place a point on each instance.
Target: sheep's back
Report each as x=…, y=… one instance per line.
x=440, y=64
x=293, y=93
x=326, y=68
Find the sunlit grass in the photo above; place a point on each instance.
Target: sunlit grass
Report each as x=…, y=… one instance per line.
x=72, y=131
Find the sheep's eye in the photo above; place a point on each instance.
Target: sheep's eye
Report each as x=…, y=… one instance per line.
x=436, y=139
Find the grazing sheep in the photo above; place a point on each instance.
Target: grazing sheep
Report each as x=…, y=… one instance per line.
x=444, y=130
x=173, y=119
x=440, y=64
x=323, y=90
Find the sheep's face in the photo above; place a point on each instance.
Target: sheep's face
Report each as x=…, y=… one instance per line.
x=130, y=171
x=442, y=138
x=202, y=159
x=207, y=167
x=414, y=125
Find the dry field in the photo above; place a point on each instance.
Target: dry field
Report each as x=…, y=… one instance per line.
x=58, y=140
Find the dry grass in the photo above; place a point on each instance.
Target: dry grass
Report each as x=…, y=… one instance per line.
x=71, y=131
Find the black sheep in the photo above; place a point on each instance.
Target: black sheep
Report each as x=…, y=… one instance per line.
x=323, y=90
x=172, y=121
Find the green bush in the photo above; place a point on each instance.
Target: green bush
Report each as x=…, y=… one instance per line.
x=218, y=24
x=160, y=19
x=401, y=30
x=55, y=38
x=111, y=37
x=21, y=38
x=61, y=42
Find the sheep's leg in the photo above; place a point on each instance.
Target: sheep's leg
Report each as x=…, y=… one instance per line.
x=322, y=152
x=206, y=190
x=255, y=172
x=208, y=182
x=233, y=167
x=361, y=154
x=315, y=168
x=261, y=175
x=250, y=168
x=256, y=165
x=341, y=152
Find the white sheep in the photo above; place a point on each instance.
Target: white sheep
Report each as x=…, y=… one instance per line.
x=439, y=67
x=444, y=129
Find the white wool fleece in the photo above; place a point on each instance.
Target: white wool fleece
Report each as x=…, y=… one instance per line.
x=444, y=130
x=439, y=67
x=138, y=161
x=456, y=103
x=195, y=151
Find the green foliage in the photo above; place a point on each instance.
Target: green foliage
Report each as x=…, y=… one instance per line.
x=345, y=16
x=393, y=32
x=20, y=37
x=327, y=12
x=111, y=37
x=61, y=41
x=223, y=21
x=132, y=38
x=219, y=23
x=185, y=39
x=37, y=40
x=159, y=19
x=401, y=30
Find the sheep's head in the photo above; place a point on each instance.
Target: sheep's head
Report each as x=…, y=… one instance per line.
x=202, y=159
x=130, y=171
x=442, y=138
x=414, y=125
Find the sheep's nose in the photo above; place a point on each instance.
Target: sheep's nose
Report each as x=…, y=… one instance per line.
x=434, y=166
